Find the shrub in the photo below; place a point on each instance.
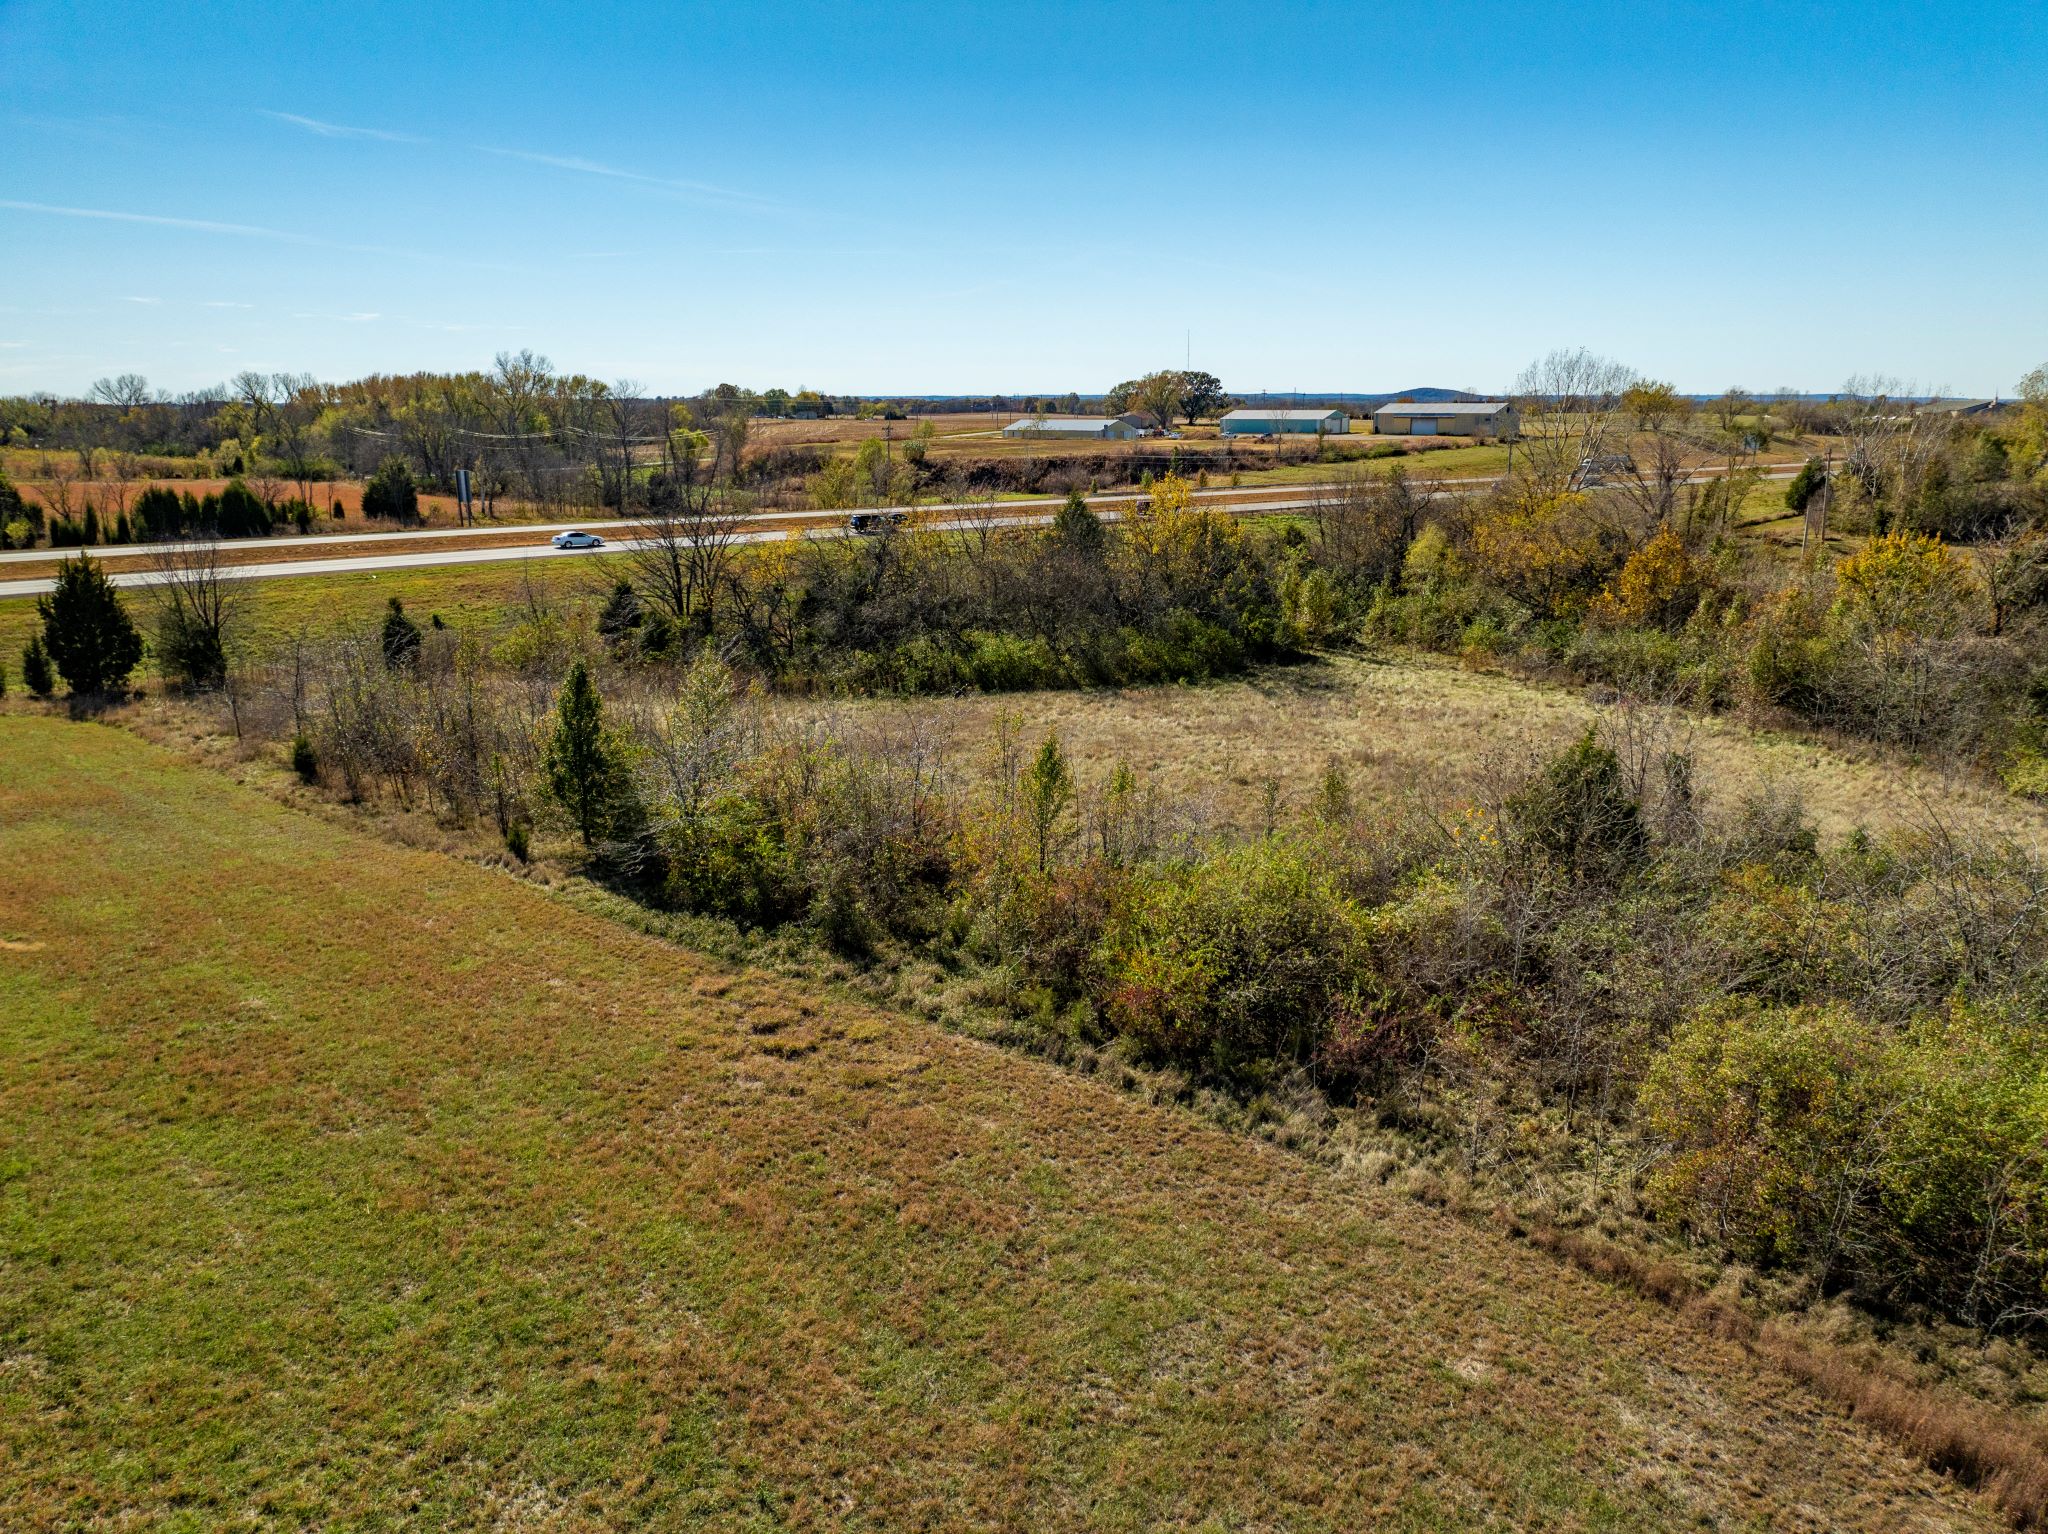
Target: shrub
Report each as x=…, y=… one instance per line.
x=1550, y=556
x=90, y=637
x=1579, y=814
x=400, y=636
x=1010, y=662
x=191, y=651
x=1806, y=484
x=732, y=859
x=1238, y=960
x=1903, y=586
x=618, y=625
x=36, y=672
x=1916, y=1161
x=391, y=493
x=1766, y=1114
x=1793, y=660
x=1658, y=584
x=305, y=762
x=518, y=841
x=1965, y=1175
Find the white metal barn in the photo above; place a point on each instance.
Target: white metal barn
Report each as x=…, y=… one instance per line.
x=1249, y=422
x=1103, y=428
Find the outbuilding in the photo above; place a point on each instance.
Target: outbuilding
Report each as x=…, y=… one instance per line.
x=1493, y=418
x=1249, y=422
x=1100, y=428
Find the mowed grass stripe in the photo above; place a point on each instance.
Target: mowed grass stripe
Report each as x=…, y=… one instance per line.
x=358, y=1187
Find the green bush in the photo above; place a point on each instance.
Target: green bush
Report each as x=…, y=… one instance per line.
x=1579, y=814
x=391, y=493
x=1914, y=1162
x=1766, y=1114
x=159, y=513
x=1806, y=484
x=400, y=637
x=1235, y=961
x=733, y=860
x=1010, y=662
x=305, y=762
x=241, y=513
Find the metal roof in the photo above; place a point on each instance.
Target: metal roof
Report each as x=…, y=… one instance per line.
x=1066, y=423
x=1282, y=415
x=1445, y=407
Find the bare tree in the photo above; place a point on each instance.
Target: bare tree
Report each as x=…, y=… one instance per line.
x=1891, y=445
x=124, y=393
x=1364, y=524
x=626, y=422
x=198, y=606
x=1571, y=400
x=682, y=552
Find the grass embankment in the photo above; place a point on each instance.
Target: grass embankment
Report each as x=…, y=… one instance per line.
x=487, y=595
x=349, y=1185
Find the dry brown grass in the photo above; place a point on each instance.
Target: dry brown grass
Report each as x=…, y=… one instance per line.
x=1416, y=725
x=2004, y=1455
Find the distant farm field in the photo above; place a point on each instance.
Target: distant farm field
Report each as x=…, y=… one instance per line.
x=346, y=1186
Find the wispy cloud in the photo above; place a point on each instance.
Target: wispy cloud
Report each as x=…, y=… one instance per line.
x=165, y=221
x=704, y=191
x=249, y=231
x=681, y=186
x=343, y=130
x=131, y=298
x=224, y=303
x=360, y=317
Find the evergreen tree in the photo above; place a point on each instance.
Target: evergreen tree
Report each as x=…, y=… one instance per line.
x=91, y=640
x=36, y=674
x=401, y=637
x=586, y=772
x=159, y=514
x=1805, y=484
x=242, y=513
x=391, y=493
x=1076, y=527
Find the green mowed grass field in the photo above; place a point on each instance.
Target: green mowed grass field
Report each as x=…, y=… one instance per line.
x=349, y=1186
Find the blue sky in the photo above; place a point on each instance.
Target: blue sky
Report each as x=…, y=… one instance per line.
x=1024, y=197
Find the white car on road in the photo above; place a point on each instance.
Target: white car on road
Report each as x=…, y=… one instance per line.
x=577, y=541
